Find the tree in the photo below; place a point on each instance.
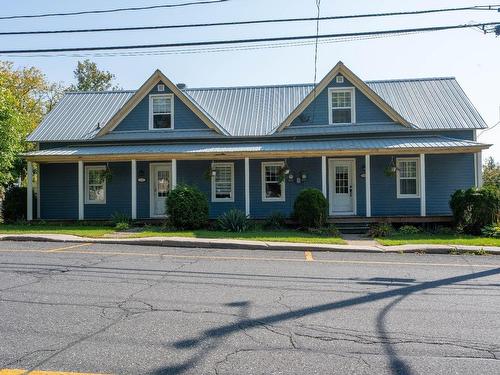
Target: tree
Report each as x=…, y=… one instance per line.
x=25, y=97
x=491, y=173
x=90, y=78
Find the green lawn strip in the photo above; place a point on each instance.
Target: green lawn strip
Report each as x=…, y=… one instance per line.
x=442, y=239
x=257, y=235
x=76, y=230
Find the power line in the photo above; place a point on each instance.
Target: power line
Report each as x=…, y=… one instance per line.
x=250, y=22
x=115, y=10
x=244, y=41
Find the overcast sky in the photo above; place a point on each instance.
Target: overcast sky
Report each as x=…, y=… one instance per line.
x=468, y=55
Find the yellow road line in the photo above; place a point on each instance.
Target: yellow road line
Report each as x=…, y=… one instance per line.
x=239, y=258
x=309, y=256
x=67, y=248
x=9, y=371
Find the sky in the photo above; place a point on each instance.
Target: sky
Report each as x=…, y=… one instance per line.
x=469, y=55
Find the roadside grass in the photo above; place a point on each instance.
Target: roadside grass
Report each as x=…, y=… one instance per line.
x=95, y=231
x=441, y=239
x=251, y=235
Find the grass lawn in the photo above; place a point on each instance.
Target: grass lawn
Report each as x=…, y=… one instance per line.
x=253, y=235
x=99, y=231
x=444, y=239
x=74, y=229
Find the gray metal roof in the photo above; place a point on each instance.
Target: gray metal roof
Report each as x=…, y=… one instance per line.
x=428, y=104
x=400, y=144
x=78, y=115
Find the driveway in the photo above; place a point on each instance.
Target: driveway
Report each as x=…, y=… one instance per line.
x=121, y=309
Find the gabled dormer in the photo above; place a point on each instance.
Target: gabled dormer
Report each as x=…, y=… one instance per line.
x=160, y=106
x=342, y=98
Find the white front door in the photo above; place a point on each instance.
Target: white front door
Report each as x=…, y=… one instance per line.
x=160, y=178
x=342, y=186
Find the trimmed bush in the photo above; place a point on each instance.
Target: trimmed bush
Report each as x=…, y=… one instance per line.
x=14, y=205
x=276, y=220
x=492, y=230
x=187, y=207
x=310, y=208
x=475, y=208
x=233, y=221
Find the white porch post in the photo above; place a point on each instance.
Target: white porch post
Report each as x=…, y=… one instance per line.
x=80, y=190
x=479, y=169
x=422, y=185
x=133, y=166
x=368, y=187
x=247, y=187
x=174, y=173
x=323, y=176
x=29, y=213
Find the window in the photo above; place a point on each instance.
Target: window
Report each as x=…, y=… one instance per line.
x=273, y=186
x=95, y=187
x=161, y=109
x=341, y=106
x=408, y=177
x=223, y=182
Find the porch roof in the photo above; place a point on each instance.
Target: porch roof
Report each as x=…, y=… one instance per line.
x=332, y=147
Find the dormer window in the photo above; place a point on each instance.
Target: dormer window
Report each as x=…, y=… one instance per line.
x=161, y=111
x=341, y=105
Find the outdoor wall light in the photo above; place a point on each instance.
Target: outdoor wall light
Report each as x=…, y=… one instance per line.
x=363, y=172
x=141, y=176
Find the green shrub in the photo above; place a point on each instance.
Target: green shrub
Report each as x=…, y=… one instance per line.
x=233, y=221
x=475, y=208
x=14, y=205
x=187, y=207
x=310, y=208
x=380, y=230
x=492, y=230
x=442, y=229
x=122, y=226
x=120, y=217
x=409, y=229
x=328, y=231
x=276, y=220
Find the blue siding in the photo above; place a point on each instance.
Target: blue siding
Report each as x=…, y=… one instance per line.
x=317, y=111
x=193, y=173
x=118, y=193
x=443, y=175
x=260, y=209
x=384, y=194
x=138, y=118
x=143, y=190
x=59, y=191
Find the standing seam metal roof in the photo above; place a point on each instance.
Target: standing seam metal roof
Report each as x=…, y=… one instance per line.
x=428, y=104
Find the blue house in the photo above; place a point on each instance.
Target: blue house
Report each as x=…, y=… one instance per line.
x=394, y=148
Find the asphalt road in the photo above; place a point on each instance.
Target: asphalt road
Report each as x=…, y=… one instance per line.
x=117, y=309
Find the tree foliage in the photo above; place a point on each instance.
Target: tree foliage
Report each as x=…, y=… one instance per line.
x=90, y=78
x=491, y=173
x=25, y=97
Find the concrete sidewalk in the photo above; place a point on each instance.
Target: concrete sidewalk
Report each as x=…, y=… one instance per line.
x=253, y=245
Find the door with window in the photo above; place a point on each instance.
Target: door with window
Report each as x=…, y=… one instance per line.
x=160, y=186
x=342, y=187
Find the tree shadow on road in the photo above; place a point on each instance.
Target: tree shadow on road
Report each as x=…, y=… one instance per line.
x=398, y=366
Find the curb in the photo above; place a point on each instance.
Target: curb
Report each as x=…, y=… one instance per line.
x=258, y=245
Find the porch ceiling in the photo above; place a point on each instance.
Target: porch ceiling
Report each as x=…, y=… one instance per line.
x=361, y=146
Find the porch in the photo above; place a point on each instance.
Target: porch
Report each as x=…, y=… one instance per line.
x=357, y=187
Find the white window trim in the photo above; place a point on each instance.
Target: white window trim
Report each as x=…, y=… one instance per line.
x=171, y=96
x=263, y=181
x=353, y=104
x=231, y=198
x=417, y=178
x=88, y=168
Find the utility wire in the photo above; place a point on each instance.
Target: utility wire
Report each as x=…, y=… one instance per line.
x=244, y=41
x=112, y=10
x=250, y=22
